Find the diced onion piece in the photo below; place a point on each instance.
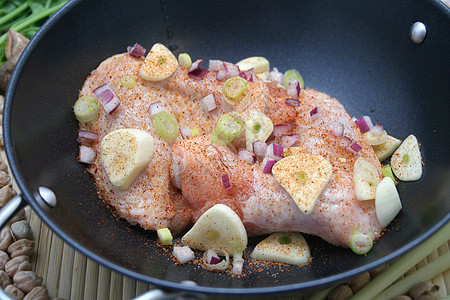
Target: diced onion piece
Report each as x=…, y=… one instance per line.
x=355, y=147
x=280, y=130
x=107, y=98
x=338, y=130
x=247, y=156
x=164, y=236
x=291, y=76
x=212, y=264
x=259, y=148
x=195, y=71
x=183, y=254
x=86, y=136
x=215, y=65
x=86, y=109
x=238, y=265
x=235, y=90
x=360, y=243
x=137, y=50
x=128, y=81
x=387, y=201
x=364, y=124
x=315, y=113
x=267, y=165
x=276, y=76
x=232, y=69
x=275, y=151
x=211, y=257
x=184, y=60
x=293, y=89
x=87, y=155
x=155, y=108
x=185, y=132
x=292, y=102
x=166, y=126
x=209, y=103
x=228, y=128
x=195, y=65
x=288, y=141
x=226, y=181
x=248, y=75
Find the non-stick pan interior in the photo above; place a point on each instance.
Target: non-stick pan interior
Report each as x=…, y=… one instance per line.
x=356, y=51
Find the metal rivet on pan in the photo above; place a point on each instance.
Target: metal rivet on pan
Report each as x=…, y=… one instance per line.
x=418, y=32
x=48, y=196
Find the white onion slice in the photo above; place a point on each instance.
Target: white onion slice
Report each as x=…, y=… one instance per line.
x=155, y=108
x=183, y=254
x=209, y=103
x=377, y=129
x=222, y=265
x=87, y=155
x=86, y=136
x=107, y=98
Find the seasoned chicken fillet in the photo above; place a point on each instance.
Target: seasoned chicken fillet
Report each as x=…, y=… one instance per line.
x=151, y=201
x=263, y=205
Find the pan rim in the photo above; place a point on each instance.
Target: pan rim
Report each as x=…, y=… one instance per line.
x=29, y=198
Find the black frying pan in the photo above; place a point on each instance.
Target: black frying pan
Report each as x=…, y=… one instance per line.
x=356, y=51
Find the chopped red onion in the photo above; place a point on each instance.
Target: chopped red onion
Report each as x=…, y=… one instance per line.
x=246, y=156
x=209, y=102
x=211, y=257
x=226, y=181
x=155, y=108
x=137, y=50
x=222, y=265
x=248, y=75
x=86, y=136
x=215, y=65
x=338, y=130
x=364, y=124
x=315, y=113
x=183, y=254
x=267, y=165
x=221, y=74
x=185, y=132
x=198, y=73
x=275, y=151
x=228, y=70
x=355, y=147
x=277, y=76
x=87, y=155
x=259, y=148
x=289, y=140
x=195, y=65
x=292, y=102
x=293, y=89
x=280, y=130
x=377, y=129
x=107, y=98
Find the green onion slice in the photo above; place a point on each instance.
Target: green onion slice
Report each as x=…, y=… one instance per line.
x=86, y=109
x=228, y=128
x=360, y=243
x=387, y=172
x=235, y=90
x=166, y=126
x=128, y=81
x=291, y=76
